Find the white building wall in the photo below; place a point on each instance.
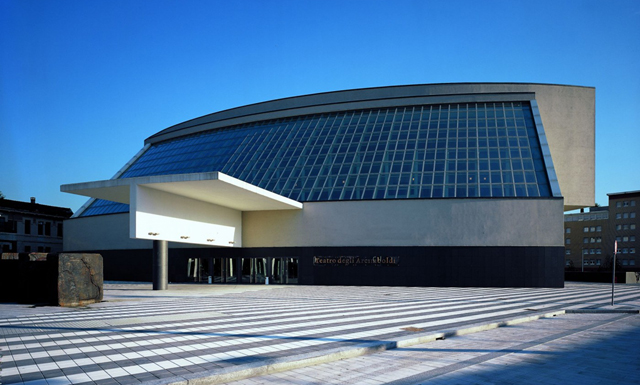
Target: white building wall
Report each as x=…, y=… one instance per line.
x=157, y=214
x=437, y=222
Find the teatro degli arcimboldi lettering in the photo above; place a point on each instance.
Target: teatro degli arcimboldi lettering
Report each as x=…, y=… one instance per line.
x=355, y=261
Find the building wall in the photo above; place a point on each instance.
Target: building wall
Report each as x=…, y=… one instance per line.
x=623, y=215
x=568, y=116
x=42, y=235
x=590, y=237
x=437, y=222
x=433, y=222
x=103, y=232
x=587, y=233
x=180, y=219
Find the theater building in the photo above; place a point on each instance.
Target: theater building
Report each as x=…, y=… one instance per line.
x=423, y=185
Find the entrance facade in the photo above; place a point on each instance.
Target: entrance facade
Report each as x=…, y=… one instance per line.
x=279, y=270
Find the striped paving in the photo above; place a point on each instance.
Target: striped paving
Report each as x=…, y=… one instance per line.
x=168, y=339
x=580, y=349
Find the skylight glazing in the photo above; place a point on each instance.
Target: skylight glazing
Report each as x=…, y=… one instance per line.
x=429, y=151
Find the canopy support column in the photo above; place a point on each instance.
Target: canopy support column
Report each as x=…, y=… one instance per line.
x=160, y=265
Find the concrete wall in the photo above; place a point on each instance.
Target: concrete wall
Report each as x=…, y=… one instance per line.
x=436, y=222
x=103, y=232
x=157, y=214
x=568, y=116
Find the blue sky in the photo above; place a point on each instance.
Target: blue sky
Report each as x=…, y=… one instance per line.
x=83, y=83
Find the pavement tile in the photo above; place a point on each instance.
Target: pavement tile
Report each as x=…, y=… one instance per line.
x=268, y=322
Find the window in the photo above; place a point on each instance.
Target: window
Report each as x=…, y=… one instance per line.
x=625, y=251
x=585, y=251
x=592, y=240
x=632, y=262
x=598, y=228
x=567, y=230
x=592, y=251
x=632, y=226
x=567, y=241
x=599, y=239
x=625, y=227
x=632, y=250
x=507, y=163
x=8, y=226
x=625, y=262
x=27, y=227
x=598, y=262
x=618, y=216
x=625, y=215
x=619, y=239
x=40, y=231
x=618, y=227
x=586, y=229
x=632, y=238
x=592, y=229
x=567, y=252
x=618, y=204
x=47, y=228
x=632, y=215
x=625, y=239
x=633, y=203
x=585, y=240
x=567, y=262
x=598, y=251
x=60, y=227
x=625, y=204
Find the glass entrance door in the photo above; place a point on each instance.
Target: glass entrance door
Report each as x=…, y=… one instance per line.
x=254, y=270
x=284, y=270
x=280, y=270
x=212, y=270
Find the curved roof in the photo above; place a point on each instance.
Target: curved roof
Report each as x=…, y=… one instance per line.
x=361, y=98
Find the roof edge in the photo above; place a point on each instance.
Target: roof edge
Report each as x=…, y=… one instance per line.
x=361, y=95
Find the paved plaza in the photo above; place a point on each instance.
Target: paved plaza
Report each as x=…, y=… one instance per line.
x=333, y=335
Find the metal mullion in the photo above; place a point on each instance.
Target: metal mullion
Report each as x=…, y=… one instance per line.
x=289, y=136
x=334, y=144
x=320, y=137
x=424, y=160
x=368, y=141
x=351, y=120
x=387, y=149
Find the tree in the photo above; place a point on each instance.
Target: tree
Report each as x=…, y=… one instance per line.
x=607, y=264
x=1, y=195
x=570, y=266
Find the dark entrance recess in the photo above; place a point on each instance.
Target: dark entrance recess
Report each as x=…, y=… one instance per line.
x=280, y=270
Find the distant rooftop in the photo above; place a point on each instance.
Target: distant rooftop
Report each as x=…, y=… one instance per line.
x=636, y=192
x=34, y=208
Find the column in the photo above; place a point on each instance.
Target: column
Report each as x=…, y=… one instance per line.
x=160, y=265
